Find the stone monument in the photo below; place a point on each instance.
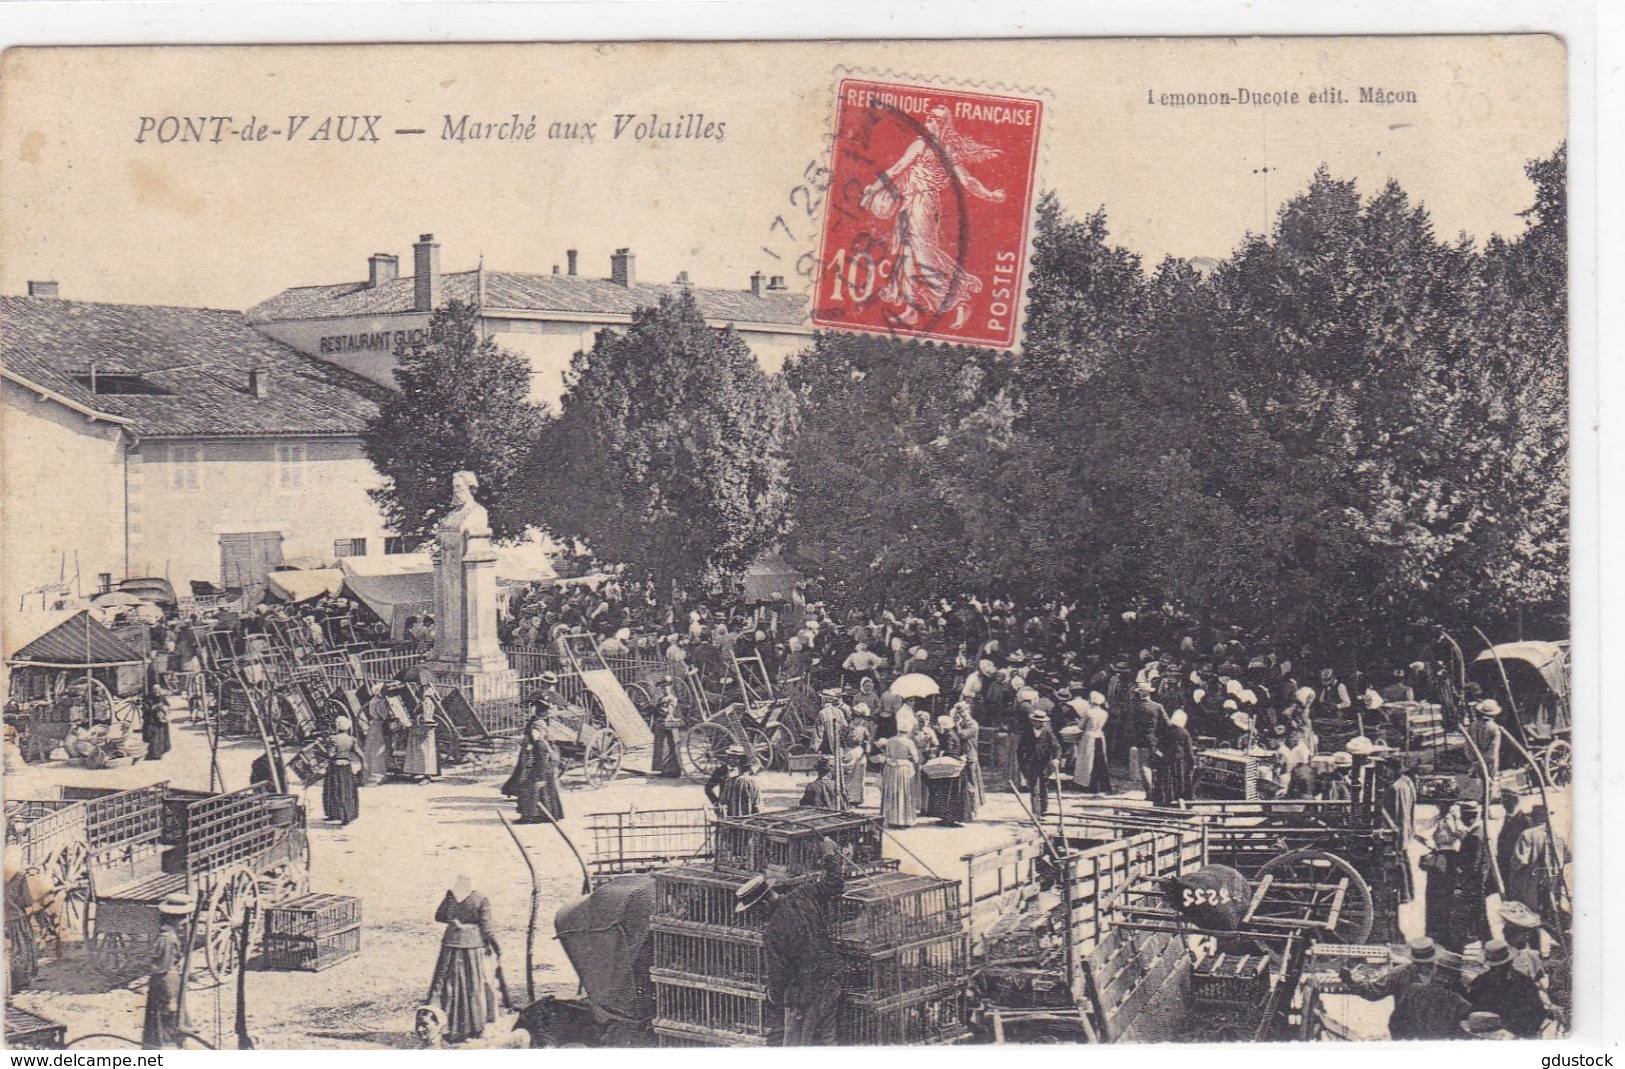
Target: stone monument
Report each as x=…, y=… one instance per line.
x=467, y=653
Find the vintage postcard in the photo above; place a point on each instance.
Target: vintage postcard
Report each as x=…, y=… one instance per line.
x=786, y=543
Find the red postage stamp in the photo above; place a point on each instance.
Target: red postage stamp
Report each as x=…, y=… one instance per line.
x=926, y=226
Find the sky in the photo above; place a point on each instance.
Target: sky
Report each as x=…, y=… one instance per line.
x=228, y=224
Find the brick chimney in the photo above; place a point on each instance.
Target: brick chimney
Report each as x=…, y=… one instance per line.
x=259, y=381
x=756, y=280
x=776, y=283
x=382, y=268
x=570, y=259
x=426, y=274
x=42, y=289
x=623, y=268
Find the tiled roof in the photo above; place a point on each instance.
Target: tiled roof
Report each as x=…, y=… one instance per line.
x=564, y=294
x=193, y=364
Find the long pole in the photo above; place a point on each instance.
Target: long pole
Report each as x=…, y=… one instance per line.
x=535, y=907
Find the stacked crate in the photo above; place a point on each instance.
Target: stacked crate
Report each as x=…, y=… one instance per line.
x=312, y=932
x=904, y=969
x=901, y=937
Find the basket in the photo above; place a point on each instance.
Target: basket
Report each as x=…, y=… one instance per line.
x=313, y=915
x=888, y=974
x=943, y=767
x=293, y=953
x=932, y=1017
x=791, y=842
x=893, y=908
x=1231, y=980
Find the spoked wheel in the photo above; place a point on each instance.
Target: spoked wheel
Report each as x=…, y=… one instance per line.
x=1321, y=867
x=448, y=744
x=705, y=748
x=68, y=873
x=286, y=880
x=760, y=746
x=228, y=909
x=1558, y=763
x=601, y=761
x=781, y=744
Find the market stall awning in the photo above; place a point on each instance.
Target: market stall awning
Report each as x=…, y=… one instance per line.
x=299, y=586
x=78, y=642
x=394, y=597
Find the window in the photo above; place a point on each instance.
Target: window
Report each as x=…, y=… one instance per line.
x=394, y=544
x=350, y=547
x=290, y=466
x=183, y=468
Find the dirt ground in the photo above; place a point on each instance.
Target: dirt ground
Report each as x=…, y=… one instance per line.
x=409, y=845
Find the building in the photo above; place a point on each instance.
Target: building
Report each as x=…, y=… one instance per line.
x=545, y=317
x=173, y=442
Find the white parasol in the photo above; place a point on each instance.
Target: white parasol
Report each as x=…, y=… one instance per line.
x=915, y=685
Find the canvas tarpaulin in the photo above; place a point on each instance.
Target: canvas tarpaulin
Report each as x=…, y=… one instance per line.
x=606, y=936
x=394, y=598
x=296, y=586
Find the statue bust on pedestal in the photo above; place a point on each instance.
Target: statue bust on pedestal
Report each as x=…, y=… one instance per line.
x=467, y=650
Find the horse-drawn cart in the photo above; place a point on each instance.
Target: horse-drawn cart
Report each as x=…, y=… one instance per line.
x=236, y=853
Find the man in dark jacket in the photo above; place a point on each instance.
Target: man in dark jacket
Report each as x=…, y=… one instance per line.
x=1038, y=755
x=824, y=792
x=1507, y=991
x=803, y=964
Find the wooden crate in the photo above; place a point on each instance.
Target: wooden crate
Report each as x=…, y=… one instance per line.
x=711, y=1005
x=929, y=1017
x=294, y=953
x=313, y=915
x=792, y=842
x=890, y=909
x=893, y=972
x=1230, y=980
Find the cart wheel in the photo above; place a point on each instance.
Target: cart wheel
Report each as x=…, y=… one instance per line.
x=448, y=744
x=761, y=746
x=601, y=762
x=642, y=697
x=781, y=743
x=589, y=703
x=228, y=909
x=285, y=880
x=1323, y=867
x=69, y=876
x=1558, y=763
x=705, y=748
x=332, y=709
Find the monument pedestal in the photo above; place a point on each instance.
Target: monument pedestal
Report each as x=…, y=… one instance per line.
x=467, y=653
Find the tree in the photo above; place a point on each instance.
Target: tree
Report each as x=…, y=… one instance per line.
x=668, y=453
x=462, y=405
x=886, y=482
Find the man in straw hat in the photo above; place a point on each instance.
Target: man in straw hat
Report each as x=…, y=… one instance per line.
x=1504, y=989
x=1485, y=734
x=732, y=788
x=824, y=792
x=803, y=962
x=1428, y=995
x=162, y=1025
x=1038, y=755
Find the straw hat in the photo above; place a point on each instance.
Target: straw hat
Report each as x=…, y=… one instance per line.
x=1497, y=952
x=178, y=904
x=1360, y=746
x=752, y=893
x=1488, y=707
x=1423, y=949
x=1519, y=915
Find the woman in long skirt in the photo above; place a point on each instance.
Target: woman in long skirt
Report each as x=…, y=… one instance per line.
x=855, y=741
x=899, y=783
x=460, y=981
x=535, y=780
x=22, y=946
x=340, y=800
x=155, y=722
x=948, y=797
